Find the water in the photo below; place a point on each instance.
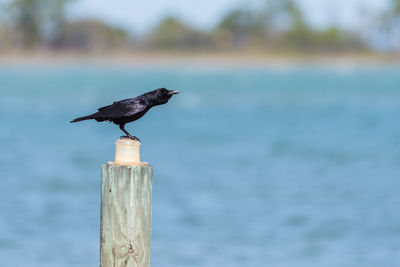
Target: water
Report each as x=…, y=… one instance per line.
x=253, y=167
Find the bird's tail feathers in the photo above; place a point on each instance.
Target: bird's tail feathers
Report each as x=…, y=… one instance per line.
x=84, y=118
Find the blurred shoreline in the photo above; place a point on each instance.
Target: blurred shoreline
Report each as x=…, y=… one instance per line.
x=206, y=59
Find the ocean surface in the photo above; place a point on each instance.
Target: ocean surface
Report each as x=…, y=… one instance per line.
x=265, y=166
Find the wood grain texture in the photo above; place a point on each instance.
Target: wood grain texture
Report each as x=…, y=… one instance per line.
x=126, y=216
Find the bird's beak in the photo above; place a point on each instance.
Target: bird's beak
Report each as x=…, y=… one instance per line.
x=175, y=92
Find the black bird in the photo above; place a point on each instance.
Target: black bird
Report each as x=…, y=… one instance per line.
x=131, y=109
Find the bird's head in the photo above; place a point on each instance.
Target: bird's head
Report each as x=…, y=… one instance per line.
x=160, y=96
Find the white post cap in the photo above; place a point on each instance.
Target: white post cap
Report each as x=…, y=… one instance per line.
x=127, y=152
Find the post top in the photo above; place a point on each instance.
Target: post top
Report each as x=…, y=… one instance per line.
x=127, y=152
x=127, y=141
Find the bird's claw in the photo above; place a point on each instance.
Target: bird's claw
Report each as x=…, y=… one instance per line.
x=134, y=138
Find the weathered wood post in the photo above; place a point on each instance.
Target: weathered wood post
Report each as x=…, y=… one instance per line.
x=126, y=208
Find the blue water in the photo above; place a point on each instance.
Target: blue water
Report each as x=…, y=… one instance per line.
x=278, y=167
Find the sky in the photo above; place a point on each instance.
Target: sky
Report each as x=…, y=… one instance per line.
x=140, y=16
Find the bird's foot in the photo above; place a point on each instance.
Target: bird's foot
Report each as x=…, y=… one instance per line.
x=134, y=138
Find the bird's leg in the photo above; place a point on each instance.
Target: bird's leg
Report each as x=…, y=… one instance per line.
x=128, y=135
x=122, y=127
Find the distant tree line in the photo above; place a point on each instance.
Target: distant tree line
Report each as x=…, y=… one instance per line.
x=42, y=24
x=278, y=25
x=388, y=28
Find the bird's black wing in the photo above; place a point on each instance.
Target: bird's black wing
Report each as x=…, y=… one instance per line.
x=123, y=108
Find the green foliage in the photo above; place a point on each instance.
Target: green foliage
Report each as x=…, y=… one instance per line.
x=396, y=6
x=26, y=19
x=55, y=20
x=278, y=25
x=239, y=21
x=32, y=21
x=331, y=39
x=92, y=35
x=239, y=29
x=173, y=34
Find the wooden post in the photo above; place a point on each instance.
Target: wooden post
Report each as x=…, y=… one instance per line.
x=126, y=209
